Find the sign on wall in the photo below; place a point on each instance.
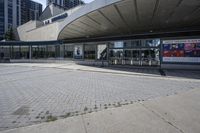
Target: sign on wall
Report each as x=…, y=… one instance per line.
x=118, y=44
x=186, y=51
x=78, y=51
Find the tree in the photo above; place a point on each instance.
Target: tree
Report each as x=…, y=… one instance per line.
x=9, y=35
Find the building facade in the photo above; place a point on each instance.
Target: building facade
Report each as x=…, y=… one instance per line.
x=66, y=3
x=30, y=10
x=2, y=18
x=58, y=2
x=113, y=32
x=14, y=13
x=72, y=3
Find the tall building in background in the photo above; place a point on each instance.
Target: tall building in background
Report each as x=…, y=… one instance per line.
x=72, y=3
x=30, y=10
x=66, y=3
x=58, y=2
x=17, y=12
x=2, y=18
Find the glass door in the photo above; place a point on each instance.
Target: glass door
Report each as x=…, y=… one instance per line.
x=116, y=56
x=128, y=57
x=136, y=58
x=145, y=57
x=150, y=57
x=132, y=57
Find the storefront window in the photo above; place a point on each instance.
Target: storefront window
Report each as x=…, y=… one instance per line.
x=132, y=44
x=127, y=53
x=151, y=43
x=68, y=51
x=89, y=52
x=38, y=52
x=117, y=53
x=4, y=52
x=50, y=51
x=117, y=45
x=24, y=52
x=16, y=52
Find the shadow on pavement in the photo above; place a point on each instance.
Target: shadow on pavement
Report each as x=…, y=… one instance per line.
x=190, y=74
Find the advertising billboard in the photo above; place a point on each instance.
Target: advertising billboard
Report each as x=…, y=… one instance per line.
x=186, y=51
x=78, y=51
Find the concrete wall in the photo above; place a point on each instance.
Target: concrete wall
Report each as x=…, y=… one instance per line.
x=180, y=66
x=23, y=29
x=45, y=33
x=51, y=11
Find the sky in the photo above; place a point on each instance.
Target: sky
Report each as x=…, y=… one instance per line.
x=43, y=2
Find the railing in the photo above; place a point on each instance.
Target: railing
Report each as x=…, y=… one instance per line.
x=5, y=60
x=134, y=61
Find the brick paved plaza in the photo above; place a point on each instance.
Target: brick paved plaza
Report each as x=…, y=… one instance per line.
x=31, y=95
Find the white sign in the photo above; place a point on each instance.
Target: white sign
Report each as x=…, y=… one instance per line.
x=181, y=41
x=118, y=44
x=182, y=59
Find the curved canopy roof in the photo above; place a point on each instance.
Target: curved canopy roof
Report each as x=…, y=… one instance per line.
x=128, y=17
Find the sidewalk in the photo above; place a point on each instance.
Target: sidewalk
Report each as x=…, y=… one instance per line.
x=173, y=114
x=150, y=72
x=73, y=66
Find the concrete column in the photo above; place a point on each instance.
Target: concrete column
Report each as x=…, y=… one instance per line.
x=96, y=52
x=108, y=52
x=30, y=52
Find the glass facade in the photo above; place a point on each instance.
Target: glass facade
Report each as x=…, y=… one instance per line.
x=127, y=53
x=89, y=51
x=135, y=52
x=30, y=10
x=68, y=51
x=66, y=3
x=16, y=12
x=4, y=52
x=72, y=3
x=10, y=12
x=2, y=17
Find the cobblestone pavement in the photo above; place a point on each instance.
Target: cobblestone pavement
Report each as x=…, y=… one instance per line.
x=31, y=95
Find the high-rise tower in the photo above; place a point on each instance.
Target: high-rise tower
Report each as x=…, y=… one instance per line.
x=17, y=12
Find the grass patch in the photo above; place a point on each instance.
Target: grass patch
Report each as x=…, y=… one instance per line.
x=47, y=112
x=67, y=115
x=51, y=118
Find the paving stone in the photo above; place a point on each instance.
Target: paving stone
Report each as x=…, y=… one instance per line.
x=60, y=91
